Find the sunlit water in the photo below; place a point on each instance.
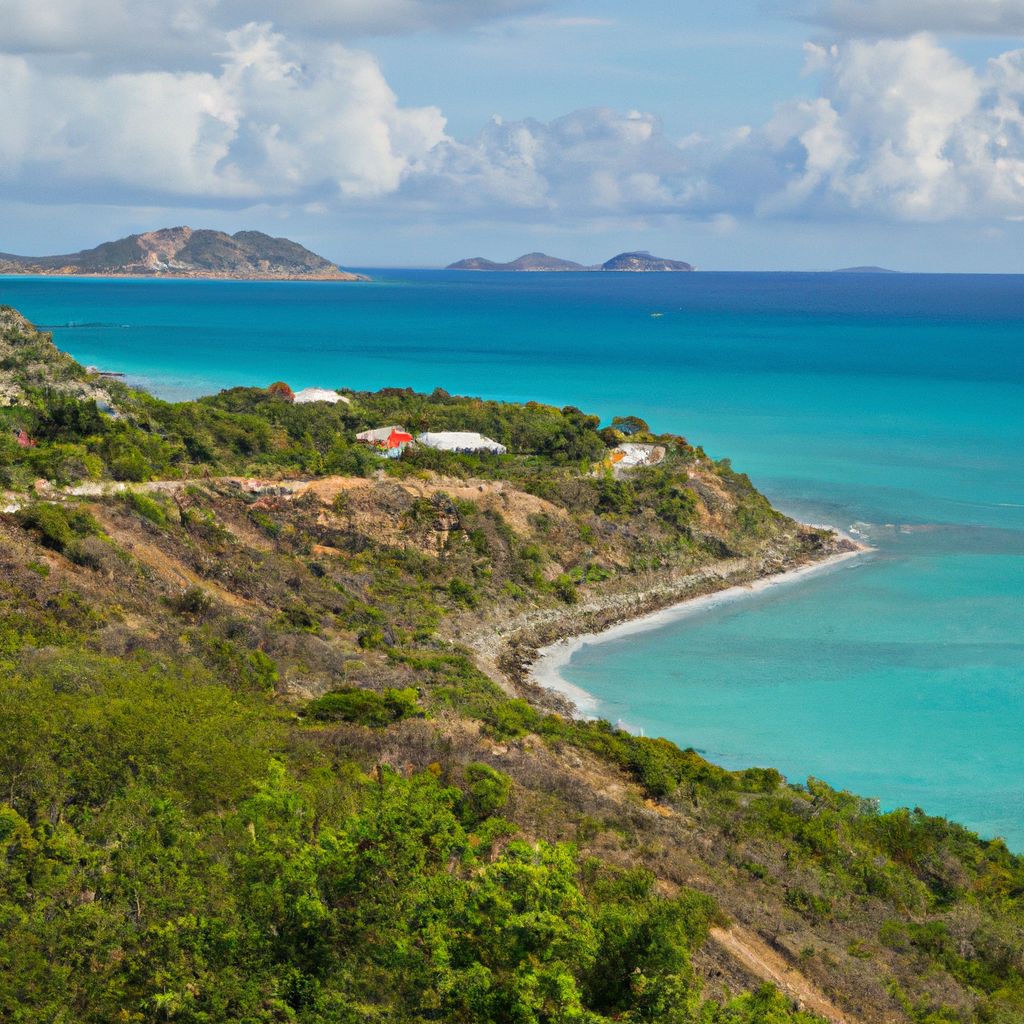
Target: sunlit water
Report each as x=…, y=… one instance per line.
x=892, y=403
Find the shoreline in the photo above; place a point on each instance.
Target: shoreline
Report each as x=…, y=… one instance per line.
x=545, y=672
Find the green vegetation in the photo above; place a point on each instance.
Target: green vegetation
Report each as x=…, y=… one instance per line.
x=251, y=769
x=174, y=850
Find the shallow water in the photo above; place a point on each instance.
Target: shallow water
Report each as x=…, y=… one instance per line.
x=891, y=403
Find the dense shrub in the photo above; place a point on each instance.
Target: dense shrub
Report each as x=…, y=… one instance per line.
x=365, y=707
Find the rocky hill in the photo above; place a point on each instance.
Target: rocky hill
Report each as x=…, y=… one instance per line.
x=183, y=252
x=538, y=261
x=644, y=261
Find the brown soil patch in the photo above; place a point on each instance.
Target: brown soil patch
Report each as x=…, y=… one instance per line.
x=758, y=957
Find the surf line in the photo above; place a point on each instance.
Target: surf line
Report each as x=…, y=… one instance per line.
x=547, y=669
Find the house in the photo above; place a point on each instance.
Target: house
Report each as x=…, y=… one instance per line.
x=319, y=395
x=462, y=441
x=388, y=441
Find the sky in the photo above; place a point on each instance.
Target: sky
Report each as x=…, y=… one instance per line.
x=735, y=135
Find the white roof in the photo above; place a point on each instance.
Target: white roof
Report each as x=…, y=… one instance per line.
x=460, y=441
x=378, y=434
x=319, y=395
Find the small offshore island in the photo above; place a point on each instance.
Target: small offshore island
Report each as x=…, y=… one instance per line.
x=534, y=262
x=272, y=749
x=182, y=252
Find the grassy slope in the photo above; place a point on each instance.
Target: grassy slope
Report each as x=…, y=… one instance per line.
x=190, y=836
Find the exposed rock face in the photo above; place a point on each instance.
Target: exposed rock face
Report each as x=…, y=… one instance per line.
x=182, y=252
x=644, y=261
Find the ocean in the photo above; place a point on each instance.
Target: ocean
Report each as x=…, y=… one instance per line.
x=889, y=404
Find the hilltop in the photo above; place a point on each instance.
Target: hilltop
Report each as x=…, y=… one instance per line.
x=183, y=252
x=271, y=749
x=538, y=261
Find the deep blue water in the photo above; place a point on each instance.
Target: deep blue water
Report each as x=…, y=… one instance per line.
x=890, y=402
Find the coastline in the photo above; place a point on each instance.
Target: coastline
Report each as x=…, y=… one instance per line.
x=551, y=658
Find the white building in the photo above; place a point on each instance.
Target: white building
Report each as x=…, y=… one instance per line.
x=318, y=395
x=461, y=441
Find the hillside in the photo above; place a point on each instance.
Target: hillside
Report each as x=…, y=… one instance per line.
x=182, y=252
x=538, y=261
x=270, y=750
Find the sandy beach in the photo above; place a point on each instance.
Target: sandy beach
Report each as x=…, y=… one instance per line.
x=546, y=670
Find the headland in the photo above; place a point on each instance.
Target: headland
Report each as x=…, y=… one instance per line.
x=262, y=686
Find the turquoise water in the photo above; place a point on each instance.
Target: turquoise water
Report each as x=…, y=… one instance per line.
x=893, y=403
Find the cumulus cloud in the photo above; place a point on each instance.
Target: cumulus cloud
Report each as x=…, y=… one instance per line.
x=866, y=18
x=275, y=123
x=902, y=129
x=590, y=162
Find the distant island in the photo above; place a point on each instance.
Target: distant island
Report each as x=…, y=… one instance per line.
x=538, y=261
x=865, y=270
x=183, y=252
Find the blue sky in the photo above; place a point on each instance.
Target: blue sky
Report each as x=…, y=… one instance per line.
x=784, y=134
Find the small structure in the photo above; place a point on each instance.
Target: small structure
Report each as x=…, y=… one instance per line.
x=462, y=441
x=631, y=454
x=388, y=441
x=281, y=391
x=319, y=395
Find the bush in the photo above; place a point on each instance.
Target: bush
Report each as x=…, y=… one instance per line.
x=365, y=707
x=489, y=789
x=145, y=506
x=193, y=603
x=461, y=593
x=565, y=589
x=58, y=526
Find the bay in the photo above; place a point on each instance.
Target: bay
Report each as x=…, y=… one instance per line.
x=890, y=403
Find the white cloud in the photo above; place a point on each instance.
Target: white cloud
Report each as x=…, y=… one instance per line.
x=591, y=162
x=1002, y=18
x=902, y=129
x=277, y=122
